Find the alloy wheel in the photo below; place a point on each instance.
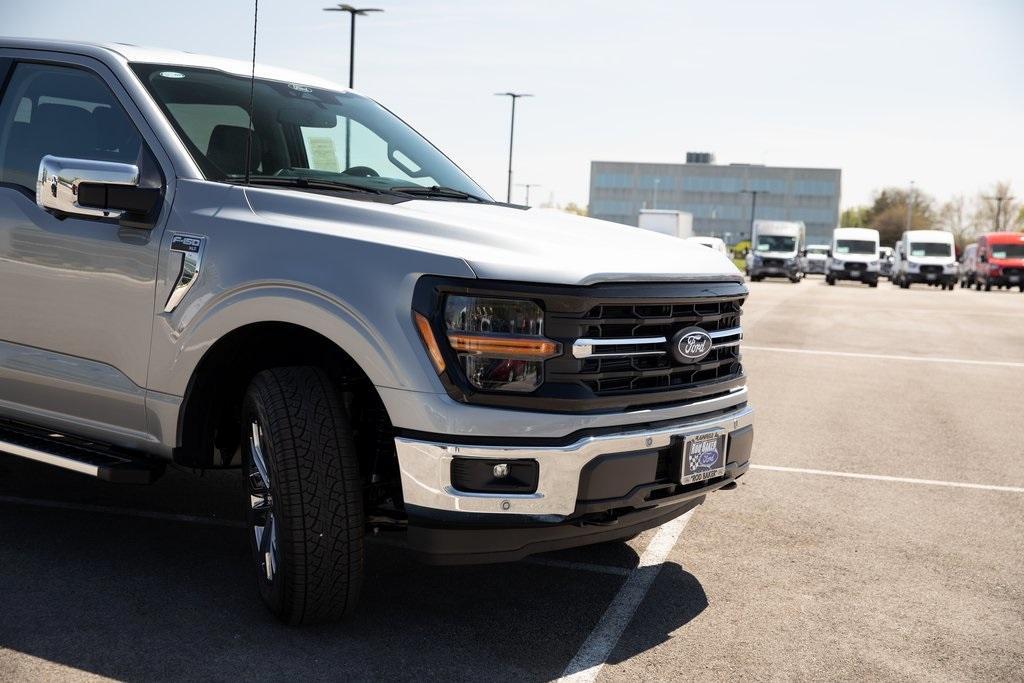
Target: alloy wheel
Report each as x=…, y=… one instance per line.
x=261, y=504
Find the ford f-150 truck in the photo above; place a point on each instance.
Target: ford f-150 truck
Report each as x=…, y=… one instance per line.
x=278, y=274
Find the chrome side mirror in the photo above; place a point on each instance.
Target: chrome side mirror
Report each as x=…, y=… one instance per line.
x=94, y=189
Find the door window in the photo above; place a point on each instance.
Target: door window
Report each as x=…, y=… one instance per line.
x=62, y=111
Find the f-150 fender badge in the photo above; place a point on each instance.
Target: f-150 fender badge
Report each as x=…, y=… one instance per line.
x=191, y=248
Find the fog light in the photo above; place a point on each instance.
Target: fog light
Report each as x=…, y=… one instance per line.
x=482, y=475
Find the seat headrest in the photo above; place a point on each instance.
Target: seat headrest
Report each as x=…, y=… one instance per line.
x=226, y=150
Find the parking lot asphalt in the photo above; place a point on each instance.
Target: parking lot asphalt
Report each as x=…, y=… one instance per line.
x=801, y=572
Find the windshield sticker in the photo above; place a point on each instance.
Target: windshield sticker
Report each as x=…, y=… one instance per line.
x=299, y=88
x=324, y=156
x=172, y=74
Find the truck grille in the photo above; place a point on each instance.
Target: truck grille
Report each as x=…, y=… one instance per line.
x=855, y=266
x=1013, y=272
x=937, y=270
x=773, y=263
x=617, y=349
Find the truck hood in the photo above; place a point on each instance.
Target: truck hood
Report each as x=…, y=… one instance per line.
x=499, y=242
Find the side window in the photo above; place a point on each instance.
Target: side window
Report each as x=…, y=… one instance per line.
x=62, y=111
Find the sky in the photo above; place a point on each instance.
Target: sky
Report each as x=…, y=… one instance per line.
x=889, y=92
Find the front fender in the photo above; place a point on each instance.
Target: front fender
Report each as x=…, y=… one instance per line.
x=388, y=352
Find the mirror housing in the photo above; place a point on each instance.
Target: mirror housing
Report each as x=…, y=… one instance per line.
x=93, y=189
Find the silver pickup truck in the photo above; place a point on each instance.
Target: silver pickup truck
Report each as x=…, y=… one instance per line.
x=316, y=295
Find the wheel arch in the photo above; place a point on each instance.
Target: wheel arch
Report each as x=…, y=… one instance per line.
x=207, y=419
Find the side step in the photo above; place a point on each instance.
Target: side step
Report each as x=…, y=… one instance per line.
x=96, y=460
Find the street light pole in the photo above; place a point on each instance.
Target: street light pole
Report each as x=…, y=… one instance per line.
x=528, y=186
x=511, y=136
x=352, y=11
x=999, y=199
x=753, y=206
x=910, y=207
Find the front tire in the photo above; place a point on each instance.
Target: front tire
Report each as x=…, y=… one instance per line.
x=305, y=508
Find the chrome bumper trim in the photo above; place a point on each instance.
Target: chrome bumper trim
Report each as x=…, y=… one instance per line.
x=426, y=467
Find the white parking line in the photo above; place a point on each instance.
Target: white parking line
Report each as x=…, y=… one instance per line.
x=122, y=512
x=590, y=658
x=883, y=356
x=883, y=477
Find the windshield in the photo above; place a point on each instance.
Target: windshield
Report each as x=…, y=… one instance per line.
x=299, y=133
x=1008, y=250
x=775, y=243
x=856, y=247
x=817, y=251
x=930, y=249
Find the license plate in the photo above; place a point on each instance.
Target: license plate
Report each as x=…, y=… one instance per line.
x=703, y=457
x=930, y=276
x=854, y=273
x=1015, y=278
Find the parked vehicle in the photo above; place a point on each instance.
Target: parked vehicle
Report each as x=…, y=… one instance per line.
x=1000, y=261
x=885, y=255
x=969, y=265
x=776, y=250
x=711, y=243
x=333, y=306
x=854, y=256
x=675, y=223
x=814, y=259
x=925, y=256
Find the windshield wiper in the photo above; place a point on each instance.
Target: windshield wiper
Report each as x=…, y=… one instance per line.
x=439, y=191
x=311, y=183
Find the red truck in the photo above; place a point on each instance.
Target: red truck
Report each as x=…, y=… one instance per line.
x=1000, y=261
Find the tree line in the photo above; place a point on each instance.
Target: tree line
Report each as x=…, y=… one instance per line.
x=992, y=210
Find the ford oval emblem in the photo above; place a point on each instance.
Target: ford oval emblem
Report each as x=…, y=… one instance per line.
x=691, y=345
x=707, y=459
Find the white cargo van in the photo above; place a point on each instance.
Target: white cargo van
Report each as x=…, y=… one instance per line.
x=926, y=256
x=675, y=223
x=815, y=258
x=776, y=250
x=854, y=256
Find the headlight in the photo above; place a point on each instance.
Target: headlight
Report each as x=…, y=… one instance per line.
x=912, y=267
x=757, y=259
x=836, y=263
x=499, y=343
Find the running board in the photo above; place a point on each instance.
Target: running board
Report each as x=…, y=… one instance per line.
x=104, y=462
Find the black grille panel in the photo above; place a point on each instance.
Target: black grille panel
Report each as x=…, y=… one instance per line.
x=937, y=270
x=773, y=263
x=624, y=375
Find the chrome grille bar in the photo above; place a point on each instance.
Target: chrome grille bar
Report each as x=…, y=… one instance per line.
x=587, y=348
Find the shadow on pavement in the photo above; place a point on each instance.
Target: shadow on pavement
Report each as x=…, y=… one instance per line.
x=139, y=598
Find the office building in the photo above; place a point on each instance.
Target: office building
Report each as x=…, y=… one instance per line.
x=720, y=197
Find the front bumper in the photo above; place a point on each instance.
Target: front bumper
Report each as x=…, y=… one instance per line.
x=931, y=278
x=1004, y=280
x=789, y=270
x=596, y=488
x=862, y=274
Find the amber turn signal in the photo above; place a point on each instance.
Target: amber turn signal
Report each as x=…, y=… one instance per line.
x=427, y=336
